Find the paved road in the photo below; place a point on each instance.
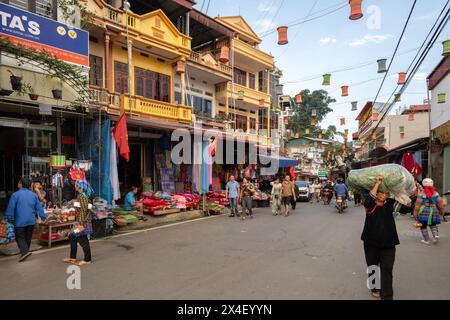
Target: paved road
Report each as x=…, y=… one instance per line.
x=312, y=254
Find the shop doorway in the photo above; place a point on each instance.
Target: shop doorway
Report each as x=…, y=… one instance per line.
x=130, y=173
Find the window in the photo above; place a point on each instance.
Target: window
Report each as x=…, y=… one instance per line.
x=263, y=119
x=262, y=79
x=96, y=71
x=22, y=4
x=207, y=107
x=251, y=78
x=120, y=77
x=240, y=77
x=198, y=104
x=241, y=122
x=252, y=124
x=44, y=8
x=152, y=85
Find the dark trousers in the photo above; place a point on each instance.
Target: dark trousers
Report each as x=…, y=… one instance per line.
x=23, y=238
x=84, y=243
x=384, y=258
x=247, y=204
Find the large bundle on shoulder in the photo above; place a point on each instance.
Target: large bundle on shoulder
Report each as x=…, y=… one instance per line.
x=396, y=180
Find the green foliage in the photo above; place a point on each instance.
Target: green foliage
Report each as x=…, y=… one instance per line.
x=86, y=16
x=317, y=100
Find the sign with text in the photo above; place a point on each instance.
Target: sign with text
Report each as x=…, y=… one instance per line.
x=42, y=34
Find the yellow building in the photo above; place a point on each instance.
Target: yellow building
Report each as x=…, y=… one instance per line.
x=249, y=90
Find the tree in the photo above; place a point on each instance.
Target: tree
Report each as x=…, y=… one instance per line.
x=317, y=100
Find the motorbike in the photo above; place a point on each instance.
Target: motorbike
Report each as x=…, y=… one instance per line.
x=340, y=204
x=327, y=195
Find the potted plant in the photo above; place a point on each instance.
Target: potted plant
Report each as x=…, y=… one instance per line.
x=5, y=92
x=16, y=82
x=57, y=93
x=33, y=96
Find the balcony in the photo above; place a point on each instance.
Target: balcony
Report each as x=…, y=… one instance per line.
x=157, y=109
x=248, y=52
x=210, y=64
x=100, y=97
x=251, y=96
x=113, y=15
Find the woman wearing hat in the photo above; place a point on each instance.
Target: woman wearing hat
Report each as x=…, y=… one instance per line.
x=428, y=211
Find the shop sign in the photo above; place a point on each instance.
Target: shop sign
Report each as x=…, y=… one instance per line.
x=40, y=33
x=67, y=140
x=443, y=133
x=364, y=120
x=45, y=109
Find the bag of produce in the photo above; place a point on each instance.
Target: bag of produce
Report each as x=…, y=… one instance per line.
x=396, y=180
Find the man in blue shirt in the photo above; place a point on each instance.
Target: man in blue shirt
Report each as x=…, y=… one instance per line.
x=130, y=204
x=232, y=193
x=23, y=207
x=341, y=190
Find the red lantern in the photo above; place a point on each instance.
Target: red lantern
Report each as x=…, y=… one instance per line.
x=180, y=66
x=312, y=121
x=286, y=121
x=320, y=136
x=355, y=136
x=356, y=12
x=374, y=136
x=344, y=91
x=282, y=35
x=262, y=103
x=402, y=135
x=411, y=116
x=224, y=54
x=298, y=98
x=342, y=121
x=375, y=116
x=401, y=78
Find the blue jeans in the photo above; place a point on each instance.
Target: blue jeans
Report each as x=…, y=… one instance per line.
x=234, y=206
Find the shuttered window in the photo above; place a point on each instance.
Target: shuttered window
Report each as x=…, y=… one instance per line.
x=120, y=77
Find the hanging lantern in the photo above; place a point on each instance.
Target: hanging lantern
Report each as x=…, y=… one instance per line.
x=224, y=54
x=286, y=121
x=313, y=112
x=402, y=135
x=282, y=35
x=374, y=136
x=320, y=136
x=446, y=48
x=355, y=12
x=374, y=116
x=397, y=97
x=411, y=116
x=355, y=136
x=342, y=121
x=346, y=132
x=402, y=129
x=241, y=94
x=354, y=105
x=312, y=122
x=306, y=131
x=441, y=97
x=298, y=98
x=324, y=131
x=58, y=161
x=262, y=103
x=180, y=66
x=344, y=91
x=401, y=78
x=326, y=79
x=382, y=65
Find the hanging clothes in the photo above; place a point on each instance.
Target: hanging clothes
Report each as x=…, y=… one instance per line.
x=418, y=165
x=408, y=161
x=114, y=174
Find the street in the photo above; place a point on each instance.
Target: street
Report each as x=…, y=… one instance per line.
x=314, y=253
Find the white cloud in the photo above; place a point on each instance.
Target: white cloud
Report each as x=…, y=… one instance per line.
x=264, y=7
x=327, y=40
x=420, y=76
x=265, y=25
x=368, y=38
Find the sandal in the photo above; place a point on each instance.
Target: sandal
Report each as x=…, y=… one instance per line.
x=376, y=294
x=83, y=263
x=70, y=260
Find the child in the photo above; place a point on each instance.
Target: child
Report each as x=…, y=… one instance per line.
x=147, y=185
x=428, y=211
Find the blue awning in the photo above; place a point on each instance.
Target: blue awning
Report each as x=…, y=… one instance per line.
x=283, y=162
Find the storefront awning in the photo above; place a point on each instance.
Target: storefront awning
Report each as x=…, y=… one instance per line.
x=283, y=162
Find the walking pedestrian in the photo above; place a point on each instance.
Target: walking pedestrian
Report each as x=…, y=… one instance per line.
x=428, y=210
x=276, y=197
x=317, y=188
x=23, y=207
x=247, y=192
x=357, y=197
x=311, y=189
x=81, y=232
x=232, y=194
x=287, y=194
x=380, y=238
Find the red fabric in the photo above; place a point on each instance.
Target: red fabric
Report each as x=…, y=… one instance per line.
x=417, y=170
x=154, y=203
x=408, y=161
x=292, y=174
x=429, y=191
x=121, y=136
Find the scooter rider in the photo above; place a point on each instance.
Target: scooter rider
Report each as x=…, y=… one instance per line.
x=328, y=190
x=341, y=190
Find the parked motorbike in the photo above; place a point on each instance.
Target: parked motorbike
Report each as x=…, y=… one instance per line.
x=340, y=204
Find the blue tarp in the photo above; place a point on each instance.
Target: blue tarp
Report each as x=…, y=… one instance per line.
x=283, y=162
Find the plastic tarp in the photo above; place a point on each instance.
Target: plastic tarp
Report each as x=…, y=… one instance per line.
x=283, y=162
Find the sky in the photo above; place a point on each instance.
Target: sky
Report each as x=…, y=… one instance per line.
x=334, y=42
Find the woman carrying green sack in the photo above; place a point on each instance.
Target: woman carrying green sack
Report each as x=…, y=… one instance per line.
x=276, y=197
x=428, y=211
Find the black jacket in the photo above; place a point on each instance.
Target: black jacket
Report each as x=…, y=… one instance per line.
x=379, y=228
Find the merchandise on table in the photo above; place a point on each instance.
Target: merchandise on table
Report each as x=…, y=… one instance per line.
x=396, y=180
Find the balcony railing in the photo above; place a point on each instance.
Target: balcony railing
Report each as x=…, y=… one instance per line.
x=101, y=96
x=159, y=109
x=113, y=15
x=197, y=58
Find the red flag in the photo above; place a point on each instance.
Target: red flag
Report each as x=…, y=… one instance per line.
x=121, y=136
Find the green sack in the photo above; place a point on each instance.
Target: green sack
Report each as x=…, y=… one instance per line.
x=396, y=180
x=130, y=218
